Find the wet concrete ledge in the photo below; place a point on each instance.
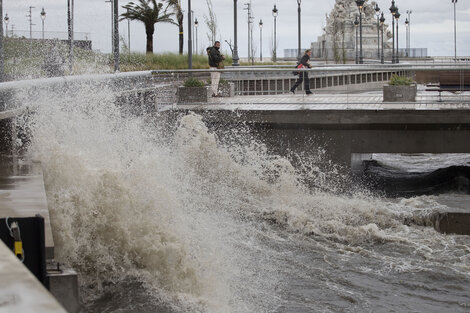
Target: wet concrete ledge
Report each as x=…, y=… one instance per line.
x=22, y=194
x=20, y=291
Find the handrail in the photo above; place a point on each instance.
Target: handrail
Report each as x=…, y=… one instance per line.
x=316, y=68
x=347, y=68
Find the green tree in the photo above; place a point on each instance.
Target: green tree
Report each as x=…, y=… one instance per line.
x=150, y=13
x=177, y=10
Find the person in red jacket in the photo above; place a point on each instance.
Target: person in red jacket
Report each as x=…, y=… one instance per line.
x=303, y=76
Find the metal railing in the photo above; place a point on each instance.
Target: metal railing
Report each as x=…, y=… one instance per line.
x=280, y=79
x=337, y=84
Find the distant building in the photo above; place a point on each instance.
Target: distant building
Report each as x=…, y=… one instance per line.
x=292, y=53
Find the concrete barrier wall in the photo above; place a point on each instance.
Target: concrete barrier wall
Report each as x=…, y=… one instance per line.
x=20, y=291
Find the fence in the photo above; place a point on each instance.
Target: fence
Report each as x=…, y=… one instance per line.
x=413, y=52
x=279, y=80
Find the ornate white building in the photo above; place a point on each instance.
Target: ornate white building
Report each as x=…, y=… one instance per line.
x=339, y=35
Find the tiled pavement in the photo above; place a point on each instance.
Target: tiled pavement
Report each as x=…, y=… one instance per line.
x=334, y=101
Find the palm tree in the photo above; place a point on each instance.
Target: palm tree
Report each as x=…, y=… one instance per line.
x=176, y=5
x=149, y=15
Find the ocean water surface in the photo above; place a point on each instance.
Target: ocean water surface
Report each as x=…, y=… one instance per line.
x=179, y=218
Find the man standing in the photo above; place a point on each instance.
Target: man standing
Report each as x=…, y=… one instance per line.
x=215, y=62
x=303, y=76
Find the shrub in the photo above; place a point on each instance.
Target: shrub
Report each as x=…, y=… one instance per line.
x=400, y=80
x=193, y=82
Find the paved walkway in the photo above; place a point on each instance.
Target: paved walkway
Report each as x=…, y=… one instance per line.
x=334, y=101
x=22, y=194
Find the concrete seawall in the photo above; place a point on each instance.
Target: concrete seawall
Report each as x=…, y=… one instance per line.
x=20, y=291
x=22, y=195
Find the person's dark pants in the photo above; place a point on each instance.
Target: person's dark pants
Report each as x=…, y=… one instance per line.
x=303, y=77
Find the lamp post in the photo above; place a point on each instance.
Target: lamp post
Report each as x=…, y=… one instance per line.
x=30, y=18
x=409, y=31
x=455, y=31
x=1, y=43
x=192, y=28
x=397, y=16
x=43, y=17
x=377, y=13
x=299, y=54
x=356, y=25
x=407, y=25
x=360, y=5
x=382, y=21
x=190, y=43
x=393, y=10
x=235, y=57
x=275, y=13
x=116, y=35
x=70, y=31
x=261, y=40
x=196, y=24
x=250, y=20
x=7, y=20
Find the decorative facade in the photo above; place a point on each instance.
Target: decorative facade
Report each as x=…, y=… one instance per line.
x=338, y=41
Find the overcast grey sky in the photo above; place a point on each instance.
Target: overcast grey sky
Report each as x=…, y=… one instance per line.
x=431, y=23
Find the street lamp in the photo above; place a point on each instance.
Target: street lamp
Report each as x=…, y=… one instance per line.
x=235, y=57
x=382, y=21
x=192, y=28
x=261, y=40
x=250, y=33
x=393, y=10
x=190, y=43
x=7, y=20
x=2, y=60
x=70, y=6
x=116, y=34
x=196, y=24
x=30, y=19
x=43, y=17
x=275, y=13
x=299, y=55
x=455, y=31
x=356, y=25
x=407, y=25
x=377, y=12
x=360, y=5
x=397, y=16
x=409, y=31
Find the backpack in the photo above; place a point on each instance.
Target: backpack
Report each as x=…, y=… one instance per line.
x=209, y=50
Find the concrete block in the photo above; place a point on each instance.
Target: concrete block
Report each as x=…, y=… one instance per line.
x=399, y=93
x=193, y=94
x=227, y=90
x=63, y=284
x=453, y=223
